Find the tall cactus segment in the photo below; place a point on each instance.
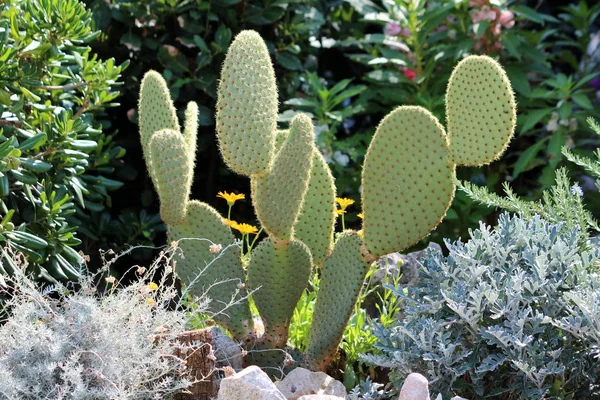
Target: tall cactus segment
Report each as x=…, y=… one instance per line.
x=279, y=271
x=217, y=276
x=278, y=195
x=408, y=180
x=343, y=276
x=316, y=221
x=247, y=106
x=481, y=111
x=156, y=112
x=170, y=159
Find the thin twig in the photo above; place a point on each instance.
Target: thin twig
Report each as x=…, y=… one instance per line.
x=4, y=122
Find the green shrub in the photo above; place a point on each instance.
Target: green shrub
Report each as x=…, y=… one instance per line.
x=501, y=316
x=54, y=157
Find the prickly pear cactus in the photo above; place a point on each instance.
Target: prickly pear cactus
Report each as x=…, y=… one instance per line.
x=156, y=112
x=220, y=277
x=278, y=195
x=247, y=106
x=407, y=180
x=194, y=225
x=278, y=273
x=481, y=111
x=172, y=165
x=408, y=185
x=342, y=280
x=404, y=203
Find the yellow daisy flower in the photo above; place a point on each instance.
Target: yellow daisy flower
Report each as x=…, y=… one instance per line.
x=150, y=301
x=340, y=212
x=231, y=223
x=231, y=197
x=344, y=202
x=152, y=286
x=246, y=228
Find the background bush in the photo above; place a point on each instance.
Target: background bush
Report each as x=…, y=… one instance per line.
x=55, y=160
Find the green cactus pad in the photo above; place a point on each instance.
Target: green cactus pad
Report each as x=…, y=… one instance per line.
x=247, y=106
x=156, y=112
x=278, y=195
x=343, y=276
x=316, y=220
x=173, y=172
x=407, y=178
x=480, y=110
x=190, y=130
x=219, y=280
x=279, y=272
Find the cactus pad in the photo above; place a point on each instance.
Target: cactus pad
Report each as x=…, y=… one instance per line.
x=480, y=110
x=173, y=172
x=219, y=280
x=278, y=195
x=343, y=276
x=247, y=106
x=408, y=180
x=279, y=272
x=316, y=220
x=156, y=112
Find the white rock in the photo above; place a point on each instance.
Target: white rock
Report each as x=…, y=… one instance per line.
x=320, y=397
x=301, y=382
x=249, y=384
x=415, y=387
x=458, y=398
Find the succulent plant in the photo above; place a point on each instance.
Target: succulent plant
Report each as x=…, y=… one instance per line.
x=294, y=194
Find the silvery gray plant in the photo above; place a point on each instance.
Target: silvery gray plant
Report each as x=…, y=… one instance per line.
x=88, y=344
x=510, y=314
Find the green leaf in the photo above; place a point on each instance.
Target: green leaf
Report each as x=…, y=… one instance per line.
x=527, y=158
x=480, y=28
x=582, y=101
x=532, y=15
x=533, y=117
x=35, y=165
x=33, y=142
x=300, y=102
x=27, y=239
x=288, y=61
x=223, y=36
x=176, y=61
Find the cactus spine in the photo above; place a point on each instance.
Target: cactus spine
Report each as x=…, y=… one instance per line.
x=408, y=185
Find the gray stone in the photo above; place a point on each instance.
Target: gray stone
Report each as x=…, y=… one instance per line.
x=408, y=265
x=227, y=352
x=302, y=382
x=415, y=387
x=251, y=383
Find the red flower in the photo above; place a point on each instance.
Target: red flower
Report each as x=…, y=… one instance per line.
x=410, y=73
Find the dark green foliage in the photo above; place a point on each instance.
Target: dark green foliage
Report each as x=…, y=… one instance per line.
x=54, y=157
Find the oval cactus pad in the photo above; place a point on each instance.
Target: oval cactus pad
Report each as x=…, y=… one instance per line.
x=480, y=111
x=407, y=180
x=247, y=106
x=219, y=276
